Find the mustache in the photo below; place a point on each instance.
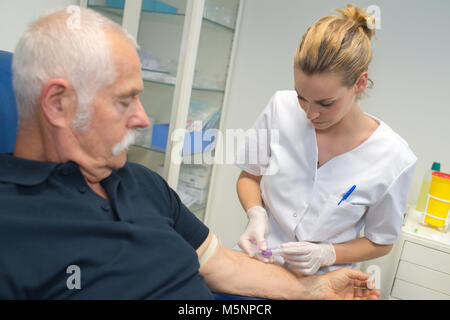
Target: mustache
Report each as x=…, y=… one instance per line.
x=127, y=140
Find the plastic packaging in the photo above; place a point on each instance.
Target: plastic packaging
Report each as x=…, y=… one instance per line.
x=439, y=201
x=425, y=188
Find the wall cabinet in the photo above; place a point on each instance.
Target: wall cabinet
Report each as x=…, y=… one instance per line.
x=186, y=50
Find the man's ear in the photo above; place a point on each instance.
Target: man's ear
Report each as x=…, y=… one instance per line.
x=58, y=102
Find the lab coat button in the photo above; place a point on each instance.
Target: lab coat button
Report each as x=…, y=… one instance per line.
x=295, y=215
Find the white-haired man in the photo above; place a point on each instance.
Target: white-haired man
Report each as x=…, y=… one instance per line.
x=78, y=221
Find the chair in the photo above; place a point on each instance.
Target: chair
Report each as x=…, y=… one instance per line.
x=8, y=109
x=226, y=296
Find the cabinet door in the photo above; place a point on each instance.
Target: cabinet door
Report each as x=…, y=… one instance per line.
x=207, y=99
x=164, y=37
x=159, y=36
x=112, y=9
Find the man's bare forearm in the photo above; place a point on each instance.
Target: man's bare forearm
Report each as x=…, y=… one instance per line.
x=241, y=275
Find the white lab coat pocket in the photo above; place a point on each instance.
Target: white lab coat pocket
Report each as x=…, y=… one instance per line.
x=337, y=224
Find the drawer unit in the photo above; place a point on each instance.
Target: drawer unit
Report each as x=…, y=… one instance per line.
x=420, y=261
x=408, y=291
x=426, y=257
x=424, y=277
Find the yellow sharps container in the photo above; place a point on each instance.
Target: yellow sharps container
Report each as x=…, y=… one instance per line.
x=438, y=204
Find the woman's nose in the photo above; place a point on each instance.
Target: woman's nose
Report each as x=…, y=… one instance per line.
x=311, y=113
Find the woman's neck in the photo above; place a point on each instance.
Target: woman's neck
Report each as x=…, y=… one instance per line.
x=351, y=124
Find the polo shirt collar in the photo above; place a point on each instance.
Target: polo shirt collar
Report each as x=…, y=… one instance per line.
x=23, y=171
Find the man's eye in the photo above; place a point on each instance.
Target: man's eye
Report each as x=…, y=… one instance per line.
x=327, y=104
x=125, y=104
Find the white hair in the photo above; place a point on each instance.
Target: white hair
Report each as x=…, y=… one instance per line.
x=125, y=143
x=61, y=45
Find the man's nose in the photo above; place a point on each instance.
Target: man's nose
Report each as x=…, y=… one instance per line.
x=139, y=119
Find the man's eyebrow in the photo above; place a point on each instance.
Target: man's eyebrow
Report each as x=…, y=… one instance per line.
x=130, y=94
x=323, y=100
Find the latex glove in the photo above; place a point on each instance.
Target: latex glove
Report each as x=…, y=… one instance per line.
x=307, y=257
x=253, y=238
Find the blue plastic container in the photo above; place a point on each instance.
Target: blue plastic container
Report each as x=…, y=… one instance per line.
x=191, y=139
x=147, y=5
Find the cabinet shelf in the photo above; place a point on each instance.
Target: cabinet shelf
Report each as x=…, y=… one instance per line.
x=152, y=148
x=114, y=11
x=170, y=80
x=119, y=12
x=186, y=159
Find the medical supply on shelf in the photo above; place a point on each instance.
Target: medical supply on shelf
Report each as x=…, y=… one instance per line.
x=202, y=116
x=149, y=61
x=144, y=137
x=216, y=11
x=147, y=5
x=347, y=194
x=425, y=188
x=196, y=176
x=438, y=201
x=203, y=113
x=187, y=199
x=199, y=194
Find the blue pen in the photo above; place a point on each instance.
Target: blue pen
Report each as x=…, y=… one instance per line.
x=347, y=194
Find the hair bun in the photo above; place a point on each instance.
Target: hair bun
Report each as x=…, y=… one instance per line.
x=360, y=17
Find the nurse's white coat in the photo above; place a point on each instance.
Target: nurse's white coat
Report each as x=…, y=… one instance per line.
x=301, y=199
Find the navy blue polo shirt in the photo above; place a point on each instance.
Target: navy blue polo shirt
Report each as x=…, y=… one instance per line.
x=138, y=245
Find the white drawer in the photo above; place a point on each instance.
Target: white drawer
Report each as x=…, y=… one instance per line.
x=427, y=257
x=408, y=291
x=424, y=277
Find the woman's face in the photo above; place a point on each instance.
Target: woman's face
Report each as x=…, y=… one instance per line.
x=323, y=97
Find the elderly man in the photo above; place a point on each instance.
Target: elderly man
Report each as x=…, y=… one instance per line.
x=77, y=220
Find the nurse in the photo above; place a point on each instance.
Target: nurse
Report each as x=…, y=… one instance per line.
x=320, y=145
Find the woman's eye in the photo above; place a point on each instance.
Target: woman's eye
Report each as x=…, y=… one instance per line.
x=327, y=104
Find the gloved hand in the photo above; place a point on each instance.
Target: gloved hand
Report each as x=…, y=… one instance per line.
x=307, y=257
x=256, y=231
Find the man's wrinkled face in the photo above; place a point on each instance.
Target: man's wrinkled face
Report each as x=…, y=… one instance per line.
x=116, y=110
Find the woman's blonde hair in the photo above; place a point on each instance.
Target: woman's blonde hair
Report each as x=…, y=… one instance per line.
x=338, y=44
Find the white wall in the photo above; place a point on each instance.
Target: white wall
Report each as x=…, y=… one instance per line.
x=410, y=69
x=16, y=15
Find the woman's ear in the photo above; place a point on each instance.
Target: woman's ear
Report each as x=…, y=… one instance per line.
x=58, y=103
x=361, y=83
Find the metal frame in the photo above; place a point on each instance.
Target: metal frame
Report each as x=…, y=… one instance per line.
x=183, y=88
x=207, y=216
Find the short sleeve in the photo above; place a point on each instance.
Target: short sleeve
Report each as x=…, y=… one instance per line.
x=184, y=222
x=187, y=224
x=383, y=221
x=254, y=151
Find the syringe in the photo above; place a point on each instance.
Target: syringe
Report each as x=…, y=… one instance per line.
x=269, y=252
